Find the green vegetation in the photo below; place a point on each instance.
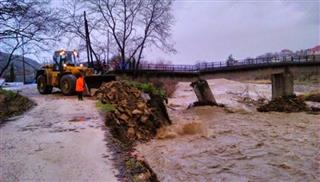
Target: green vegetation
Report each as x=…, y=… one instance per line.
x=104, y=107
x=12, y=103
x=7, y=94
x=148, y=88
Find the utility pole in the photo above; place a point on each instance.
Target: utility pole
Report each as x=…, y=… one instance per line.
x=23, y=63
x=108, y=48
x=88, y=44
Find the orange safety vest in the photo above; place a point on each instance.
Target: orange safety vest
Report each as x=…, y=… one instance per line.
x=80, y=84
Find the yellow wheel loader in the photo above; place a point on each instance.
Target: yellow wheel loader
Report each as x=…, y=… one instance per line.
x=62, y=74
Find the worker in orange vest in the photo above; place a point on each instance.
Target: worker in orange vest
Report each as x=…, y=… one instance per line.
x=80, y=86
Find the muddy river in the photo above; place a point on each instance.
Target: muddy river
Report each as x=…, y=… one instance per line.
x=235, y=143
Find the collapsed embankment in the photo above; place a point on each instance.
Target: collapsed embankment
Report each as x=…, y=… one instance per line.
x=135, y=111
x=12, y=104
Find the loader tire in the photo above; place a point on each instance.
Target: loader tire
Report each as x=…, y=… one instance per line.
x=67, y=84
x=42, y=85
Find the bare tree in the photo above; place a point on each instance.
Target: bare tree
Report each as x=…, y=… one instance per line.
x=24, y=23
x=134, y=24
x=72, y=22
x=157, y=20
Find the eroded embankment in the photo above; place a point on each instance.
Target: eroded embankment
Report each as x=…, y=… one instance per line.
x=135, y=112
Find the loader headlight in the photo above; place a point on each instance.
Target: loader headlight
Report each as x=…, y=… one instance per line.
x=75, y=53
x=64, y=65
x=81, y=65
x=62, y=52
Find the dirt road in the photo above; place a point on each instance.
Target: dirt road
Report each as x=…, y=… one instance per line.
x=61, y=139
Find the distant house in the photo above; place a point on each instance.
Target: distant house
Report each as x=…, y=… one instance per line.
x=302, y=52
x=314, y=51
x=285, y=52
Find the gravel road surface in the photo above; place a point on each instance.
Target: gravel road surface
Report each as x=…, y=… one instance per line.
x=60, y=139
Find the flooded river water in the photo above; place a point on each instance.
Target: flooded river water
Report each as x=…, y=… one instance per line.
x=234, y=144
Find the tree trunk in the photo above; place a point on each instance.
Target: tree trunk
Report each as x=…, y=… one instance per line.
x=9, y=60
x=12, y=77
x=139, y=57
x=123, y=59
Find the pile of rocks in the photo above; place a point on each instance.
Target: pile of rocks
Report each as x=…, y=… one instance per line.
x=133, y=117
x=285, y=104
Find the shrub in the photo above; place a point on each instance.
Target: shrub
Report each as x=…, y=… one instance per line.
x=148, y=88
x=167, y=86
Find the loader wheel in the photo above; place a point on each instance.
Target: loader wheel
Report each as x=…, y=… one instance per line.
x=42, y=85
x=67, y=84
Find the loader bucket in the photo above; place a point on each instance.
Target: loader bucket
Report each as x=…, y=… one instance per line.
x=95, y=81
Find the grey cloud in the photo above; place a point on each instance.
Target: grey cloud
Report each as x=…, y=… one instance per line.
x=211, y=30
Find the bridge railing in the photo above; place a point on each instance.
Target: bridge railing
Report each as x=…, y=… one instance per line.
x=168, y=67
x=207, y=66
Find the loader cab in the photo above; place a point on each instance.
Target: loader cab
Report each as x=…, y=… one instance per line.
x=63, y=58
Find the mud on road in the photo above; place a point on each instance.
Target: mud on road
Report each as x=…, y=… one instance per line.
x=61, y=139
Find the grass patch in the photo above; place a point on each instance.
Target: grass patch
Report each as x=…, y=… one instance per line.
x=12, y=104
x=104, y=107
x=8, y=94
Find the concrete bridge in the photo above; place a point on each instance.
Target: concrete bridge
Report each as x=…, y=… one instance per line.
x=281, y=72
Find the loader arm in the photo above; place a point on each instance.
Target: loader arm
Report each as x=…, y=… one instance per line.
x=95, y=81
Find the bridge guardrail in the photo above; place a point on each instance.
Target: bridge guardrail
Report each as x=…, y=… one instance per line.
x=212, y=66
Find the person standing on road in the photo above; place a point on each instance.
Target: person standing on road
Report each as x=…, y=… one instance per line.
x=80, y=86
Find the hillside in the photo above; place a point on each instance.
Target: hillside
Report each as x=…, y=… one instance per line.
x=30, y=65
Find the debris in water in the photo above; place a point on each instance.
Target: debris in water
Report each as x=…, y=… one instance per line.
x=285, y=104
x=313, y=96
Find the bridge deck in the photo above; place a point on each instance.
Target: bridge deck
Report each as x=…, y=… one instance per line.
x=211, y=67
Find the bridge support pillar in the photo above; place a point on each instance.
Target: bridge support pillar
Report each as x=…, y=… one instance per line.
x=282, y=84
x=203, y=93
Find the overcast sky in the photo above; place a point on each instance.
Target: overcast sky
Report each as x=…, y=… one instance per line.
x=210, y=30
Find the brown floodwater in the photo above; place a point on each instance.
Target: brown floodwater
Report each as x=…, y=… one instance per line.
x=234, y=144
